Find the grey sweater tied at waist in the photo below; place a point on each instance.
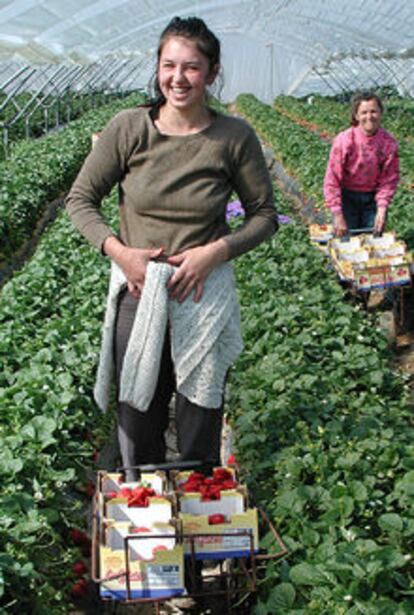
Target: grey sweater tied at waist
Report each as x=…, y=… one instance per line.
x=205, y=339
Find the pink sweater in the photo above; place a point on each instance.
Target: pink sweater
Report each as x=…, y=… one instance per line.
x=364, y=163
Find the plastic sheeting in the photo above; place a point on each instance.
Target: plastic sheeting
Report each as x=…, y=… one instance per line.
x=269, y=46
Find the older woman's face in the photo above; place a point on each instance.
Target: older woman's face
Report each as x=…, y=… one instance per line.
x=368, y=116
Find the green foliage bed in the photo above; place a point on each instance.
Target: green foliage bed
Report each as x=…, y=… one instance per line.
x=40, y=170
x=324, y=428
x=324, y=437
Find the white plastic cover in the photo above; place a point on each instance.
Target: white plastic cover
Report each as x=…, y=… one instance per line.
x=269, y=46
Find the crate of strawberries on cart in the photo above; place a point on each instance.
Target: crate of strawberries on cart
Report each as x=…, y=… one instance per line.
x=364, y=260
x=147, y=533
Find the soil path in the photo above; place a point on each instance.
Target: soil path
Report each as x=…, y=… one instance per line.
x=7, y=269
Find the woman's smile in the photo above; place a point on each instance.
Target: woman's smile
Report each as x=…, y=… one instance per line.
x=183, y=73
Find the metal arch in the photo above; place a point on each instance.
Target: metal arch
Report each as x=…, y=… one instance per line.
x=38, y=99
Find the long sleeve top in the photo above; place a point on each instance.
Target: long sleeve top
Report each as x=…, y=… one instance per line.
x=364, y=163
x=174, y=189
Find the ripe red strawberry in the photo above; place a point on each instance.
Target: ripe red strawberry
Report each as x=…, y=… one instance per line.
x=140, y=496
x=79, y=568
x=79, y=537
x=216, y=519
x=125, y=492
x=222, y=474
x=80, y=589
x=111, y=495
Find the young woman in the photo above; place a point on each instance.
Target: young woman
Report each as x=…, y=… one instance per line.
x=363, y=169
x=172, y=317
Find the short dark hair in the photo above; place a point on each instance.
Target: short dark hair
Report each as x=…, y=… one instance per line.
x=360, y=97
x=194, y=29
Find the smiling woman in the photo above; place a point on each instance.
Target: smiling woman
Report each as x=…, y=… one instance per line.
x=183, y=75
x=363, y=170
x=177, y=162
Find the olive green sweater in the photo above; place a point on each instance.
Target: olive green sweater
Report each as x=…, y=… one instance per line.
x=174, y=189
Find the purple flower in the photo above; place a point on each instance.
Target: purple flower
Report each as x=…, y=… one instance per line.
x=284, y=219
x=235, y=209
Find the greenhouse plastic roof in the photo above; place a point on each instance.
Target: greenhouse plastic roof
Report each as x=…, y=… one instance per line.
x=269, y=46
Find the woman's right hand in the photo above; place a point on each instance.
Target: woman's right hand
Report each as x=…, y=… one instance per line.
x=133, y=262
x=340, y=225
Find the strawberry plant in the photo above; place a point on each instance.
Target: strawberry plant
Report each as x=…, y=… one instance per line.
x=50, y=318
x=323, y=426
x=68, y=106
x=41, y=170
x=324, y=437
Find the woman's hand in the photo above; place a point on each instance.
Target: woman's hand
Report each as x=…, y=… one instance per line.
x=340, y=225
x=380, y=220
x=133, y=262
x=194, y=266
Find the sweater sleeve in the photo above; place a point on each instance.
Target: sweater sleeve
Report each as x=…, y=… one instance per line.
x=389, y=177
x=332, y=185
x=101, y=171
x=253, y=185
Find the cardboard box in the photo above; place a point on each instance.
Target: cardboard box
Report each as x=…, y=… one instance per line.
x=113, y=481
x=159, y=510
x=379, y=262
x=161, y=577
x=351, y=244
x=145, y=543
x=384, y=241
x=230, y=502
x=321, y=233
x=229, y=539
x=223, y=540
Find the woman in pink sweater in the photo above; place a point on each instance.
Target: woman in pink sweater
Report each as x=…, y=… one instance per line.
x=363, y=169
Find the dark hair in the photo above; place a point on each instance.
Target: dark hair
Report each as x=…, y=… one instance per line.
x=194, y=29
x=360, y=97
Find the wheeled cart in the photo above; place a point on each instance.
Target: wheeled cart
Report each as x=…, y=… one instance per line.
x=217, y=570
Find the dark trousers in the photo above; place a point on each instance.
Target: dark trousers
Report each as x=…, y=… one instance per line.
x=141, y=434
x=359, y=209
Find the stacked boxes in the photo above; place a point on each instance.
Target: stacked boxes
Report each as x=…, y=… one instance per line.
x=140, y=553
x=146, y=529
x=216, y=523
x=321, y=233
x=371, y=262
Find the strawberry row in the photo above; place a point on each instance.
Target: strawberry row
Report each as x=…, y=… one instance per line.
x=50, y=315
x=324, y=436
x=39, y=171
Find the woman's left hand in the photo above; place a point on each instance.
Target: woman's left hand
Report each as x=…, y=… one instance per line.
x=380, y=220
x=194, y=266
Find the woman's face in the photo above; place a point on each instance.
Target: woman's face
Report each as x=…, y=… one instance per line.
x=183, y=73
x=368, y=116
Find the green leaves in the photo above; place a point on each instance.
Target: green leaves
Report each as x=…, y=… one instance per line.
x=324, y=433
x=390, y=522
x=306, y=574
x=281, y=598
x=48, y=348
x=39, y=431
x=39, y=171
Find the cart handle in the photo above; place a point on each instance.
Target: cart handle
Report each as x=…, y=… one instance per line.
x=169, y=465
x=359, y=231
